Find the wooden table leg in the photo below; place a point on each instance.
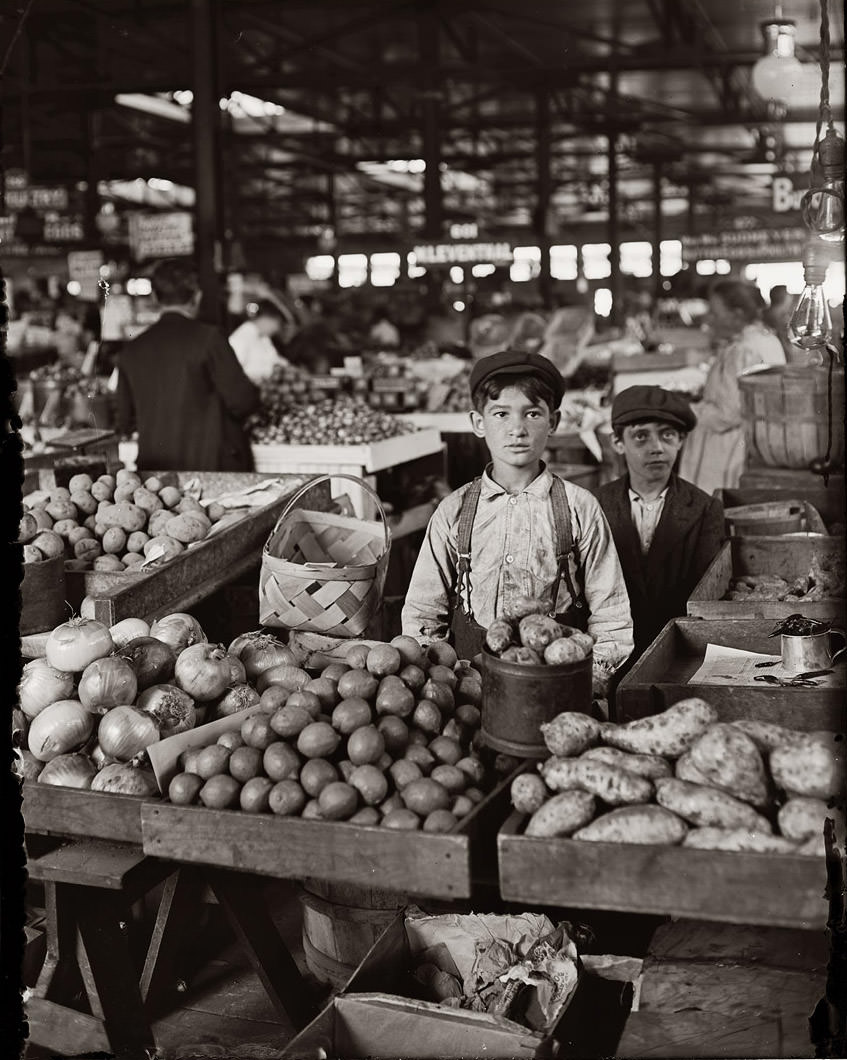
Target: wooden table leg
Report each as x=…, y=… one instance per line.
x=102, y=926
x=240, y=896
x=178, y=907
x=59, y=977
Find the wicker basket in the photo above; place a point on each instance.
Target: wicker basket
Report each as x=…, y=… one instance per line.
x=324, y=573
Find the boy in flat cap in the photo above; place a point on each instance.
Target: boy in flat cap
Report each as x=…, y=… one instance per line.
x=519, y=530
x=666, y=530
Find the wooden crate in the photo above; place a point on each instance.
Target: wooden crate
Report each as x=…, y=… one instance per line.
x=196, y=572
x=439, y=866
x=56, y=811
x=828, y=502
x=787, y=557
x=660, y=678
x=372, y=1017
x=773, y=889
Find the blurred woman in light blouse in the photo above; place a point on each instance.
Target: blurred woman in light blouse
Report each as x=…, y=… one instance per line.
x=715, y=453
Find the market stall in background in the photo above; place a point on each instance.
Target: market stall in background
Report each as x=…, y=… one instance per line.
x=261, y=821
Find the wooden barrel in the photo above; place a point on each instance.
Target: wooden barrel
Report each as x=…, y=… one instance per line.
x=43, y=595
x=771, y=517
x=786, y=419
x=341, y=922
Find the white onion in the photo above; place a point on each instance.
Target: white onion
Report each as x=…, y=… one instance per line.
x=69, y=771
x=128, y=629
x=260, y=651
x=107, y=683
x=72, y=645
x=60, y=728
x=125, y=732
x=42, y=684
x=172, y=709
x=237, y=672
x=203, y=671
x=236, y=699
x=178, y=631
x=121, y=778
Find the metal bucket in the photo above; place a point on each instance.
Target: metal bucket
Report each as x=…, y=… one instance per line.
x=518, y=698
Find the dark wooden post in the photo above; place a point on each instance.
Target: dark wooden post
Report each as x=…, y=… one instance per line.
x=616, y=314
x=543, y=192
x=657, y=231
x=205, y=114
x=430, y=98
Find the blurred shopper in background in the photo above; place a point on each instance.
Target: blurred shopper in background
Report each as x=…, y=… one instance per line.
x=181, y=387
x=253, y=341
x=777, y=316
x=383, y=332
x=714, y=453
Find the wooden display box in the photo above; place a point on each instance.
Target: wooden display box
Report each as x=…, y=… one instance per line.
x=196, y=572
x=371, y=1017
x=787, y=557
x=435, y=865
x=57, y=811
x=660, y=678
x=772, y=889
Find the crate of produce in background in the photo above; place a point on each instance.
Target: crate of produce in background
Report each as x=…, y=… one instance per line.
x=773, y=578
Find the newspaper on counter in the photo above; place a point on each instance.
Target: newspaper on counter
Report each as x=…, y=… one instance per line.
x=733, y=666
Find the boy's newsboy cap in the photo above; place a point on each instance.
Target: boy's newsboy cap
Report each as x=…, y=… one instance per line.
x=638, y=403
x=518, y=362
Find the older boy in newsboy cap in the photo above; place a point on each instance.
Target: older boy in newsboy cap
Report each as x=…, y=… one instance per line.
x=666, y=530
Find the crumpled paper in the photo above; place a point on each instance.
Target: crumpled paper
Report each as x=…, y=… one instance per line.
x=491, y=951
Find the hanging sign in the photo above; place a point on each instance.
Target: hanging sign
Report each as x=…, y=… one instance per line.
x=161, y=235
x=432, y=254
x=787, y=191
x=84, y=267
x=748, y=244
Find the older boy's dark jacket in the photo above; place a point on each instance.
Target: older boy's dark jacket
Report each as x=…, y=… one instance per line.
x=689, y=534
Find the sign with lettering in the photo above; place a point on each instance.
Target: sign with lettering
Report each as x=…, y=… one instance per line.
x=39, y=198
x=84, y=267
x=161, y=235
x=747, y=244
x=433, y=254
x=64, y=229
x=787, y=191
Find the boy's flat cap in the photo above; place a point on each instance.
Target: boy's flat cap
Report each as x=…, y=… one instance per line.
x=518, y=362
x=638, y=403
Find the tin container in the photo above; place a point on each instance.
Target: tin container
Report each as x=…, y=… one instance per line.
x=518, y=698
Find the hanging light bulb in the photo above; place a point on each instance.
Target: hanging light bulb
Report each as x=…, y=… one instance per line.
x=776, y=75
x=823, y=204
x=811, y=324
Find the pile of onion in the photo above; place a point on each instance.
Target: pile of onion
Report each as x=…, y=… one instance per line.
x=203, y=671
x=178, y=631
x=107, y=683
x=73, y=770
x=42, y=684
x=172, y=709
x=74, y=644
x=62, y=727
x=121, y=778
x=151, y=659
x=125, y=732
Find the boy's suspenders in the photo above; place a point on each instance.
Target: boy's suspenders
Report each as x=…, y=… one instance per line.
x=564, y=544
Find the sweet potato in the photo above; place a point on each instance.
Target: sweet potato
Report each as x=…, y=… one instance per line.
x=738, y=839
x=810, y=764
x=521, y=655
x=764, y=734
x=650, y=766
x=729, y=759
x=686, y=770
x=570, y=733
x=562, y=815
x=704, y=806
x=498, y=636
x=635, y=824
x=528, y=793
x=537, y=631
x=189, y=527
x=801, y=818
x=613, y=785
x=670, y=733
x=564, y=650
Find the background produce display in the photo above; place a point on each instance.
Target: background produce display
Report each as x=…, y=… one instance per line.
x=682, y=777
x=115, y=522
x=387, y=737
x=341, y=420
x=826, y=579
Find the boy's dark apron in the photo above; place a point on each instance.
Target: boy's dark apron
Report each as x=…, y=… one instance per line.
x=467, y=634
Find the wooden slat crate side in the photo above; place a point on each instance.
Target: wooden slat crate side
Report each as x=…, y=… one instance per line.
x=215, y=560
x=436, y=865
x=737, y=888
x=49, y=810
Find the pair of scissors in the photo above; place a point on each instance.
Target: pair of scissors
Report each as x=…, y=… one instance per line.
x=799, y=681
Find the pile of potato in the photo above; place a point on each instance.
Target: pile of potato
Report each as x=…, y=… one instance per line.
x=525, y=633
x=384, y=738
x=113, y=523
x=683, y=777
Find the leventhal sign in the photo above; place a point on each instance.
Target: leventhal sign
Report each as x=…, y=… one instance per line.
x=494, y=253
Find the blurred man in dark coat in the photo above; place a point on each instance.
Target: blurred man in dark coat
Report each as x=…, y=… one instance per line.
x=666, y=530
x=181, y=387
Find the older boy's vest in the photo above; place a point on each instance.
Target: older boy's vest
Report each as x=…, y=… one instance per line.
x=468, y=634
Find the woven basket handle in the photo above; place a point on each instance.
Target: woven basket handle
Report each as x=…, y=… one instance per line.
x=327, y=478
